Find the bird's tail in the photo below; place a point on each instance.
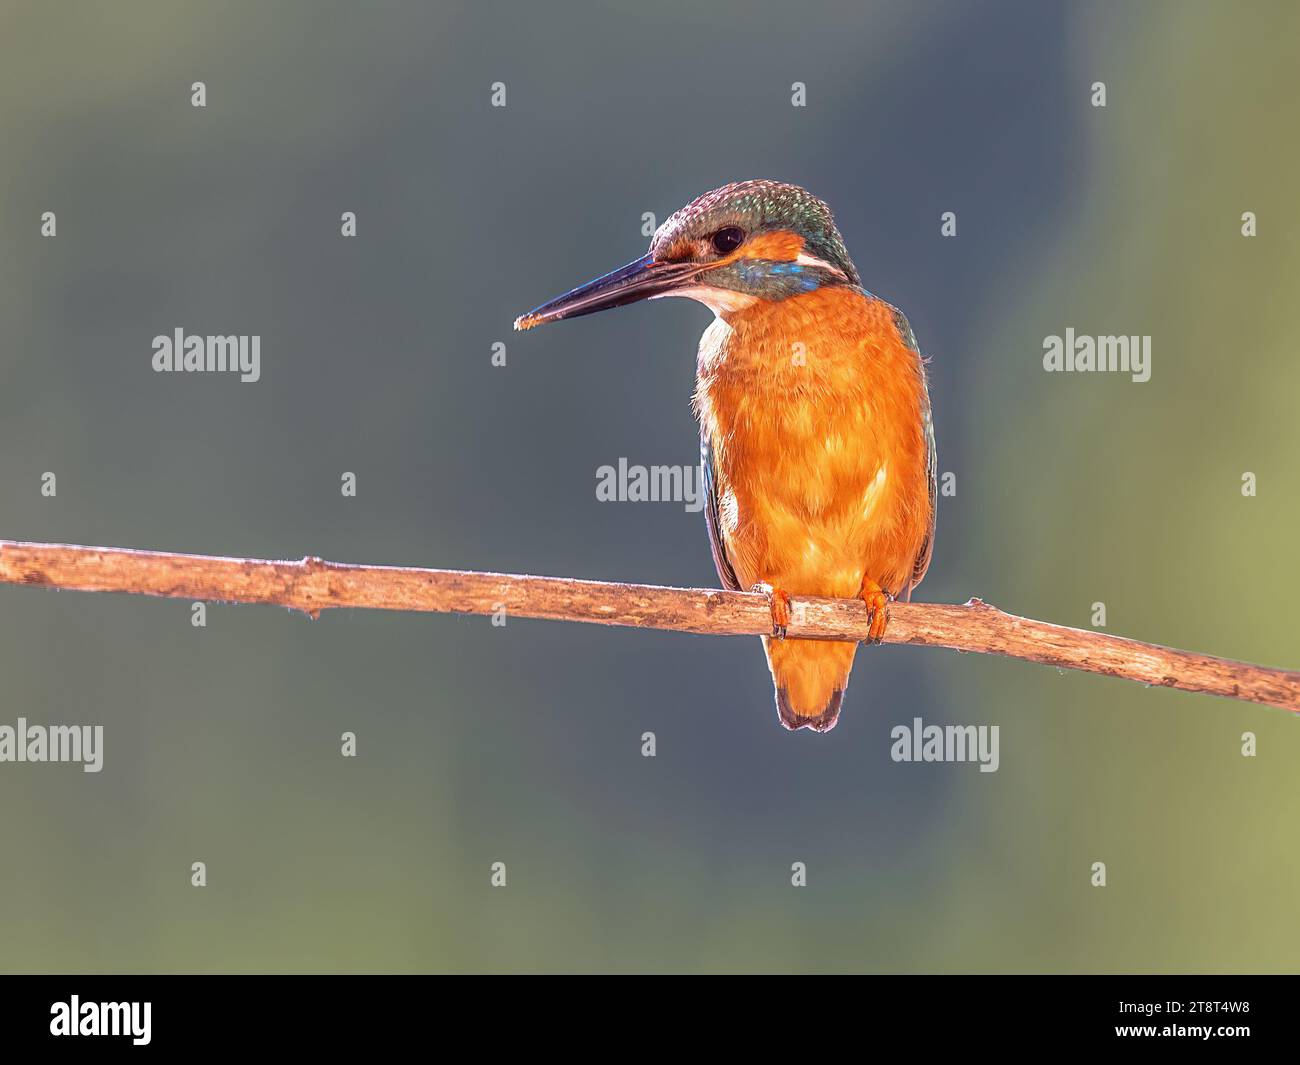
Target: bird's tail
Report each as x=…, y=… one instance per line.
x=810, y=677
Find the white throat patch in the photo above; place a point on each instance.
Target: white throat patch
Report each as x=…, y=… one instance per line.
x=719, y=300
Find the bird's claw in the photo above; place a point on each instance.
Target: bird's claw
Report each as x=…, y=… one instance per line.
x=878, y=606
x=779, y=603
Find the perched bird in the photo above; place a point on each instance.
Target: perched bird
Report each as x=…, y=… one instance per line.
x=815, y=430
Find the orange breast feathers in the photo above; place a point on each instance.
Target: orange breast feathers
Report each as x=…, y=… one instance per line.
x=816, y=410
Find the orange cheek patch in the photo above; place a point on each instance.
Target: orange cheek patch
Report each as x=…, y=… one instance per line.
x=781, y=247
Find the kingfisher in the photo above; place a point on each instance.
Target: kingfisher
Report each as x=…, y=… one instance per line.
x=816, y=435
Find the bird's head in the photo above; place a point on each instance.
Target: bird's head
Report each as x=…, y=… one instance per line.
x=732, y=247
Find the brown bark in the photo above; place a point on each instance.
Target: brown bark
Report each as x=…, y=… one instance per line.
x=313, y=585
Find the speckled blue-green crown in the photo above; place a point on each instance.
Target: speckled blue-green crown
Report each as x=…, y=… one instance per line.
x=761, y=206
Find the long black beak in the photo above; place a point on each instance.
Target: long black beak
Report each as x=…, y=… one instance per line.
x=640, y=280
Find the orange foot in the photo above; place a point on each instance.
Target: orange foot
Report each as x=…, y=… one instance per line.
x=779, y=602
x=878, y=603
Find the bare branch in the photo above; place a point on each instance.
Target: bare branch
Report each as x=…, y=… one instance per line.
x=313, y=585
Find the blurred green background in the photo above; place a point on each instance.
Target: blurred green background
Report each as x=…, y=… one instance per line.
x=522, y=744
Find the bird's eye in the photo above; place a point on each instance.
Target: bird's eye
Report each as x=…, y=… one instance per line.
x=727, y=240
